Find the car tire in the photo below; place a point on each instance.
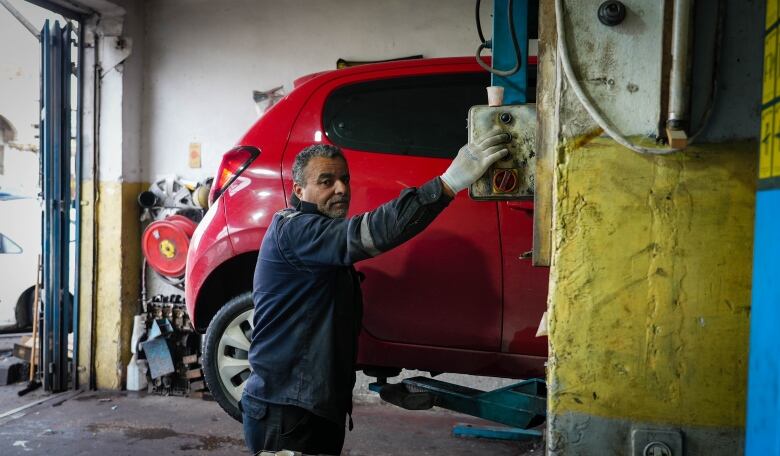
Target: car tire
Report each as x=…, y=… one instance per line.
x=226, y=352
x=24, y=309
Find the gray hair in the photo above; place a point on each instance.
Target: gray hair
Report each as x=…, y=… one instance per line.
x=303, y=157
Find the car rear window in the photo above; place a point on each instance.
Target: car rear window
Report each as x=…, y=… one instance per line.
x=421, y=116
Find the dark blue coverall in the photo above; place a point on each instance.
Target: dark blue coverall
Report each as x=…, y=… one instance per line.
x=308, y=310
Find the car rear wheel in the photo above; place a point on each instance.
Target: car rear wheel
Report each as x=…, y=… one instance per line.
x=226, y=352
x=24, y=312
x=24, y=309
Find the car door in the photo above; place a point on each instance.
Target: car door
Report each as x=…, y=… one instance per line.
x=20, y=245
x=442, y=288
x=525, y=286
x=10, y=252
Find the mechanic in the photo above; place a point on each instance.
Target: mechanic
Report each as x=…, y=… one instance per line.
x=308, y=303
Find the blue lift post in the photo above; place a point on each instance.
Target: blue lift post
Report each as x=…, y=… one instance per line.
x=523, y=405
x=526, y=14
x=763, y=396
x=763, y=406
x=55, y=139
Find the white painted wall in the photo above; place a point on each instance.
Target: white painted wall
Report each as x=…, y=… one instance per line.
x=119, y=40
x=19, y=93
x=203, y=59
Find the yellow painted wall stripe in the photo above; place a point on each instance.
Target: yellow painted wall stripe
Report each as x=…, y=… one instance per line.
x=770, y=68
x=776, y=142
x=765, y=147
x=769, y=148
x=771, y=13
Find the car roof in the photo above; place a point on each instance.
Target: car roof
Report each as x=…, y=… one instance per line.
x=389, y=66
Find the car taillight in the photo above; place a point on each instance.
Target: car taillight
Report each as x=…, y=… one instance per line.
x=233, y=164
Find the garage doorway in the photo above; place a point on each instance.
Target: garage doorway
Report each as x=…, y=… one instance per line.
x=42, y=173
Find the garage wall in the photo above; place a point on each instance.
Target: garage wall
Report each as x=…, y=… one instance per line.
x=110, y=247
x=203, y=60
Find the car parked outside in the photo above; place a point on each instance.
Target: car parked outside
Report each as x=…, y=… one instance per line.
x=20, y=245
x=462, y=297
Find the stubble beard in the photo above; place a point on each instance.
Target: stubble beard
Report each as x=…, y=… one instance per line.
x=333, y=211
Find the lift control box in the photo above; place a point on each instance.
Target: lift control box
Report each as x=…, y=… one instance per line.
x=512, y=177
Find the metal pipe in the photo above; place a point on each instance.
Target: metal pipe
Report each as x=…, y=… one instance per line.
x=79, y=173
x=147, y=199
x=19, y=17
x=43, y=222
x=95, y=196
x=60, y=200
x=680, y=76
x=45, y=139
x=143, y=285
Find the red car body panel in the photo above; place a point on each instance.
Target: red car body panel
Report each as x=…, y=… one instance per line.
x=460, y=297
x=257, y=194
x=403, y=290
x=210, y=246
x=525, y=286
x=374, y=352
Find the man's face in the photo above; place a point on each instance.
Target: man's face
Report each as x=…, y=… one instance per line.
x=327, y=186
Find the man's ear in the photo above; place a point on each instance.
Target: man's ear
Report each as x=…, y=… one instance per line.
x=298, y=191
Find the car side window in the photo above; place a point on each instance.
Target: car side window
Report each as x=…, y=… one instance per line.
x=420, y=116
x=8, y=246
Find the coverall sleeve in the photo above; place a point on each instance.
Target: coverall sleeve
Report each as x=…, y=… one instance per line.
x=310, y=241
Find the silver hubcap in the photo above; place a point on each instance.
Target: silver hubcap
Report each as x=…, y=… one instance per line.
x=233, y=354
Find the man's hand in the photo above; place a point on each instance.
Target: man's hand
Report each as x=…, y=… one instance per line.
x=474, y=159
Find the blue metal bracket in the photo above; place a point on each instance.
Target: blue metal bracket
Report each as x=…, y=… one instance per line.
x=521, y=405
x=525, y=19
x=493, y=432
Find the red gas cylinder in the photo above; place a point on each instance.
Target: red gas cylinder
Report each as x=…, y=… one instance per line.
x=165, y=244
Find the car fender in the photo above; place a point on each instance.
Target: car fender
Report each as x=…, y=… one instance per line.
x=212, y=233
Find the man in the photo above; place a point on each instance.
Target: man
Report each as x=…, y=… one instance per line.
x=308, y=304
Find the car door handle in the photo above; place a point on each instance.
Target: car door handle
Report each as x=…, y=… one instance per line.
x=524, y=205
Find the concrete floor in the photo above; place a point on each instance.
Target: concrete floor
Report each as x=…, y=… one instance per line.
x=121, y=423
x=112, y=423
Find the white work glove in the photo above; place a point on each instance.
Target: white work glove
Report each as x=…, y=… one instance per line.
x=474, y=159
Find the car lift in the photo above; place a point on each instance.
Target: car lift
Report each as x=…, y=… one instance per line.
x=522, y=405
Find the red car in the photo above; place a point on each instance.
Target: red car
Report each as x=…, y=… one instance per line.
x=461, y=297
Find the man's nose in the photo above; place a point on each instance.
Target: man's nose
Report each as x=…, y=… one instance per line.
x=341, y=187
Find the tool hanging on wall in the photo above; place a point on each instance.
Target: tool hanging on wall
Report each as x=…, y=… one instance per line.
x=265, y=99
